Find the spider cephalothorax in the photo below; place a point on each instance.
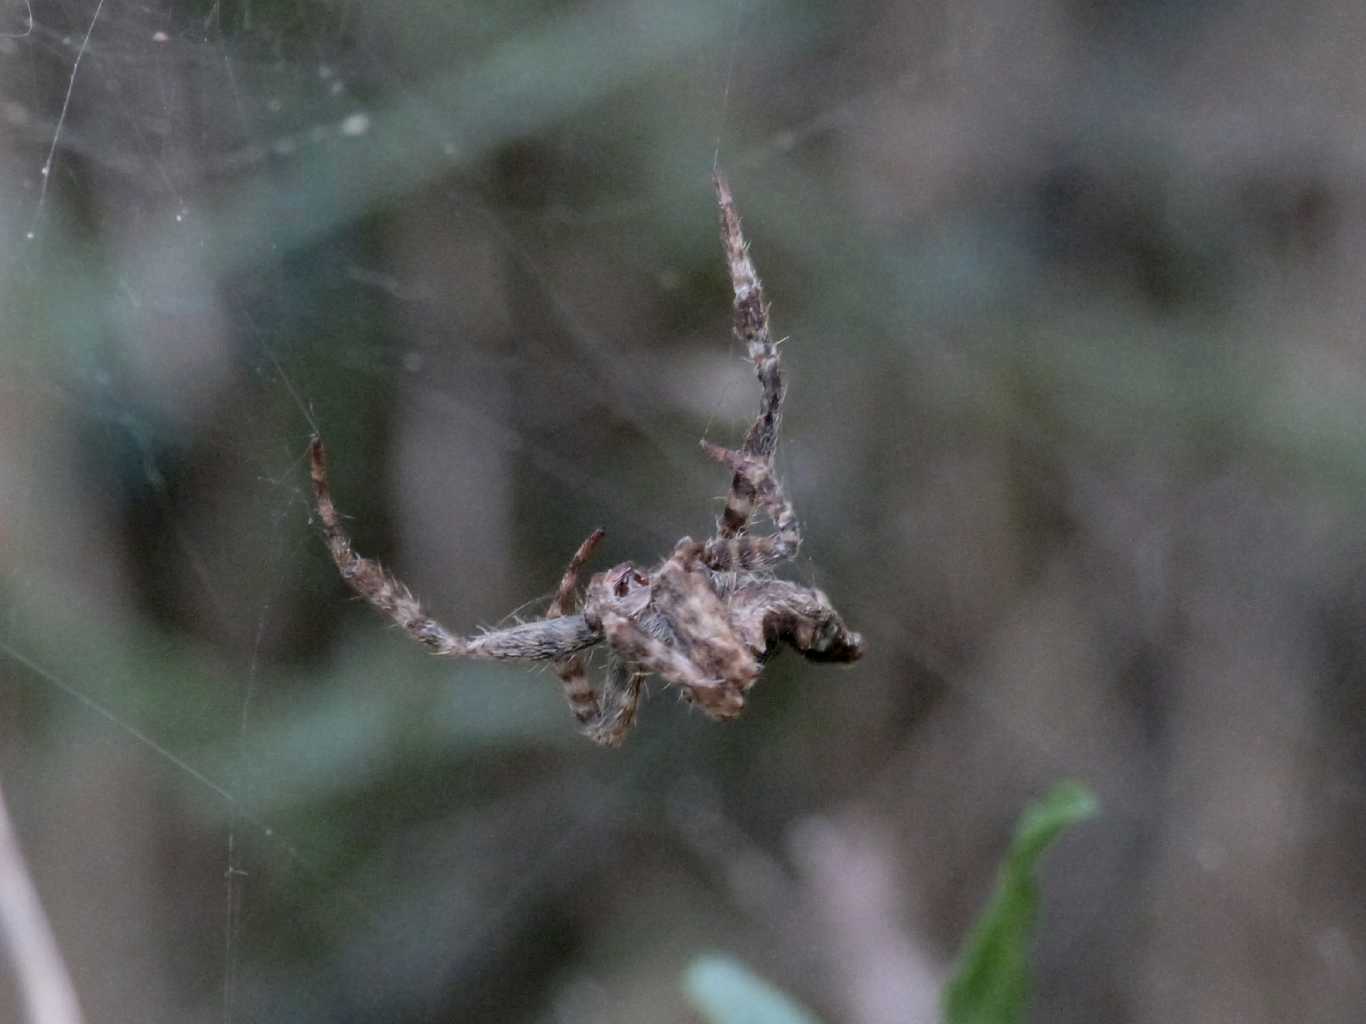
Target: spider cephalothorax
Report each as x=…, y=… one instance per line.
x=705, y=619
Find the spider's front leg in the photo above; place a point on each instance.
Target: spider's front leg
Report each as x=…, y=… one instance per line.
x=752, y=481
x=367, y=577
x=545, y=639
x=751, y=328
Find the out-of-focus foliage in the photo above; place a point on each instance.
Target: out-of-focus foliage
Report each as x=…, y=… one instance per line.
x=724, y=991
x=992, y=982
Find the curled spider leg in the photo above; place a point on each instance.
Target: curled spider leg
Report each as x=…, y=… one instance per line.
x=716, y=697
x=713, y=674
x=734, y=519
x=684, y=596
x=755, y=484
x=392, y=598
x=782, y=612
x=604, y=717
x=752, y=482
x=594, y=721
x=366, y=576
x=618, y=704
x=564, y=597
x=751, y=325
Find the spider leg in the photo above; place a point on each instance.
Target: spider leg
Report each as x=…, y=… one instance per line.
x=649, y=654
x=573, y=669
x=536, y=640
x=751, y=326
x=619, y=702
x=564, y=597
x=777, y=612
x=367, y=577
x=728, y=551
x=582, y=698
x=604, y=717
x=684, y=596
x=752, y=481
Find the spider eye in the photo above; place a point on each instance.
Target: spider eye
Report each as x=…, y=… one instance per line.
x=628, y=580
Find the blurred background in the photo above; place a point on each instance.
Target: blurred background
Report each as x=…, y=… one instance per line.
x=1074, y=294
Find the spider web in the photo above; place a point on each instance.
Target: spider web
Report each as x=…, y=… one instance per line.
x=1051, y=448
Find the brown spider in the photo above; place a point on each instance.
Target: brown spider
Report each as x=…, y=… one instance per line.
x=705, y=619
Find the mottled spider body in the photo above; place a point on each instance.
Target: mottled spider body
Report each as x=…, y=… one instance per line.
x=705, y=619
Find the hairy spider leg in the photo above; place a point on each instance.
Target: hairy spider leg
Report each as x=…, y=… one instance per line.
x=604, y=718
x=745, y=551
x=366, y=576
x=573, y=669
x=684, y=596
x=777, y=612
x=751, y=325
x=532, y=640
x=715, y=697
x=620, y=701
x=564, y=597
x=752, y=481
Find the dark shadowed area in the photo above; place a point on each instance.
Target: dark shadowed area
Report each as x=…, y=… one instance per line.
x=1076, y=431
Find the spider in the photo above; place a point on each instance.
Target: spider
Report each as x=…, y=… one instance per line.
x=705, y=619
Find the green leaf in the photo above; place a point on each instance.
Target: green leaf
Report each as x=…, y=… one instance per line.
x=723, y=991
x=992, y=982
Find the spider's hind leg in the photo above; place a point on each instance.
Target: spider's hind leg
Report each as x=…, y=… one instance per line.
x=533, y=641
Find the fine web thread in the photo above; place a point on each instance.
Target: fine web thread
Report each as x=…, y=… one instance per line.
x=61, y=119
x=28, y=31
x=737, y=30
x=730, y=79
x=234, y=875
x=234, y=792
x=51, y=678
